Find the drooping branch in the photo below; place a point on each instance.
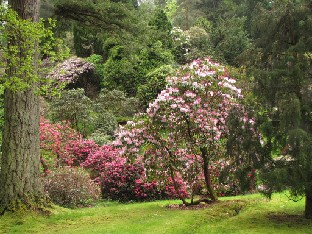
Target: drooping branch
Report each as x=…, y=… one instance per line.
x=70, y=70
x=107, y=15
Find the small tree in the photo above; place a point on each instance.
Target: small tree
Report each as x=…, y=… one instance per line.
x=186, y=124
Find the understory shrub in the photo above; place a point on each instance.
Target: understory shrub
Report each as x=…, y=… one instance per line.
x=76, y=108
x=100, y=137
x=120, y=180
x=124, y=181
x=65, y=144
x=117, y=178
x=77, y=151
x=71, y=187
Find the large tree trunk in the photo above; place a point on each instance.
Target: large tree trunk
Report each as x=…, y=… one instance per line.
x=308, y=204
x=20, y=186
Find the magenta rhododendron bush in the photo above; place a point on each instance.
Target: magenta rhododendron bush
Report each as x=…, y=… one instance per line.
x=65, y=143
x=119, y=179
x=182, y=135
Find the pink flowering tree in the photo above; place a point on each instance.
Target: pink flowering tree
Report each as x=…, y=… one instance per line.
x=145, y=142
x=186, y=126
x=70, y=70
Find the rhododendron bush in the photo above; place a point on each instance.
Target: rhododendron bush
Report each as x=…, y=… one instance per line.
x=191, y=141
x=65, y=143
x=71, y=187
x=183, y=133
x=119, y=179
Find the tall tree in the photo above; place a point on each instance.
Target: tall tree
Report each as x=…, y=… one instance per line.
x=281, y=65
x=20, y=186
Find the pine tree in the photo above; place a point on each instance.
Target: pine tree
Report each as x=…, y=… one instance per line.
x=20, y=185
x=281, y=65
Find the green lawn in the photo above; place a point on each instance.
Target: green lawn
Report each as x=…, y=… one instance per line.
x=250, y=214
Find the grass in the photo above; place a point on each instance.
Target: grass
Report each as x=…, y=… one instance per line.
x=241, y=214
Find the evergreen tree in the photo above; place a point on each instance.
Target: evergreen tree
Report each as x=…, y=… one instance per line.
x=20, y=185
x=281, y=65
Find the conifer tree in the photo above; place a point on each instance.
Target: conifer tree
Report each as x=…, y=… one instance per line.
x=20, y=185
x=281, y=65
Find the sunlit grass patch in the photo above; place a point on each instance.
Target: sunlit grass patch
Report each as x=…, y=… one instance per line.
x=241, y=214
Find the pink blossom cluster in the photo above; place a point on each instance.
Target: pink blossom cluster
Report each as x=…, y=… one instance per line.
x=77, y=151
x=184, y=125
x=66, y=143
x=197, y=101
x=121, y=180
x=70, y=70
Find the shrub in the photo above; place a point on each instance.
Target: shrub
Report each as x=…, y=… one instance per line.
x=124, y=181
x=60, y=142
x=71, y=187
x=74, y=106
x=119, y=181
x=106, y=122
x=77, y=151
x=117, y=103
x=55, y=137
x=117, y=178
x=100, y=137
x=146, y=190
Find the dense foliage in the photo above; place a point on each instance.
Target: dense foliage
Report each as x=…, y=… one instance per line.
x=184, y=130
x=282, y=71
x=198, y=135
x=63, y=147
x=120, y=180
x=71, y=187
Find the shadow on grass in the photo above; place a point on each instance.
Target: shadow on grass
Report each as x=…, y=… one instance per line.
x=288, y=219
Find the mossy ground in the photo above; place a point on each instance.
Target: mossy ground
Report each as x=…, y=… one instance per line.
x=243, y=214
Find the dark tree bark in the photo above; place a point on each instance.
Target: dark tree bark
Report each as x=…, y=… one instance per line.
x=20, y=185
x=207, y=176
x=308, y=204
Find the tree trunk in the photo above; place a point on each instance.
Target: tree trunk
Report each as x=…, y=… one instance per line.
x=187, y=14
x=207, y=174
x=308, y=204
x=175, y=184
x=20, y=185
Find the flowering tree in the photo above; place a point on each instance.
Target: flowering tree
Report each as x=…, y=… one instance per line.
x=70, y=70
x=161, y=155
x=186, y=125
